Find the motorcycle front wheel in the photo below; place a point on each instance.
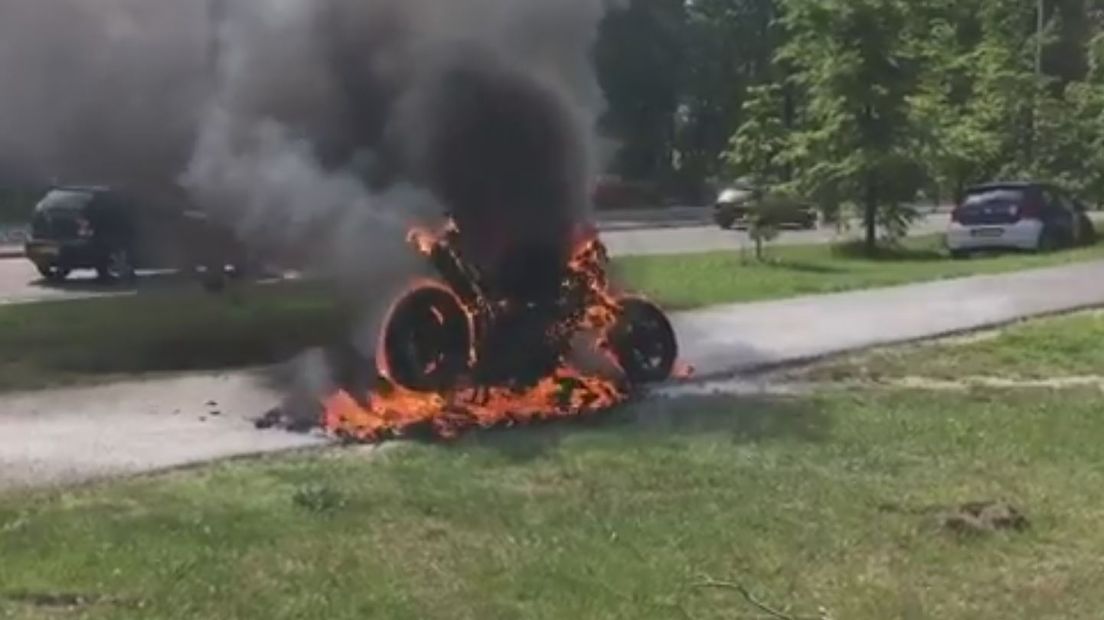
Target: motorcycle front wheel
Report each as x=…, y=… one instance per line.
x=644, y=342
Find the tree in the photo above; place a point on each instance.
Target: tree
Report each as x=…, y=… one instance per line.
x=759, y=148
x=640, y=59
x=730, y=45
x=1081, y=127
x=856, y=72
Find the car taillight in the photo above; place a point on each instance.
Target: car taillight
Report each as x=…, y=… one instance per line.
x=1030, y=209
x=84, y=229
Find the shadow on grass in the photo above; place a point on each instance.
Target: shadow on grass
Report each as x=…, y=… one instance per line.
x=740, y=419
x=857, y=250
x=803, y=267
x=171, y=332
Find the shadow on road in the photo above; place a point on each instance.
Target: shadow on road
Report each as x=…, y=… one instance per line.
x=91, y=284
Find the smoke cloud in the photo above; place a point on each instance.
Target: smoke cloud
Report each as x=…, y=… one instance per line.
x=320, y=130
x=100, y=91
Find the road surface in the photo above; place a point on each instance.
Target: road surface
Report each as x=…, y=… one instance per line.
x=66, y=436
x=681, y=232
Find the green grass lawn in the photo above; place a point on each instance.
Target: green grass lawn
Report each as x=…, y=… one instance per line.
x=818, y=502
x=1067, y=346
x=48, y=344
x=695, y=280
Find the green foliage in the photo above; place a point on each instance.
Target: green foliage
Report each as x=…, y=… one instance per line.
x=851, y=60
x=730, y=46
x=639, y=58
x=767, y=211
x=858, y=103
x=761, y=143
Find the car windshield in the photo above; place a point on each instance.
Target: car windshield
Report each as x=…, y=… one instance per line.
x=65, y=199
x=1001, y=196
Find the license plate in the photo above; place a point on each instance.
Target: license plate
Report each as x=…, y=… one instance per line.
x=987, y=232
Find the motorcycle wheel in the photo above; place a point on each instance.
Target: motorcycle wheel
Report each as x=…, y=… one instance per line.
x=644, y=342
x=426, y=340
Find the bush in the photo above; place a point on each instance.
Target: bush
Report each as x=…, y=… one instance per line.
x=16, y=205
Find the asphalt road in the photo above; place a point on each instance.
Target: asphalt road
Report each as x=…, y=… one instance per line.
x=72, y=435
x=21, y=283
x=684, y=232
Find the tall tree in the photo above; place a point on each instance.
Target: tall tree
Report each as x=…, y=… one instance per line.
x=640, y=58
x=730, y=46
x=853, y=63
x=958, y=143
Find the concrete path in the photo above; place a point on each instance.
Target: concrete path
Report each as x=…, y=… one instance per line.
x=72, y=435
x=727, y=339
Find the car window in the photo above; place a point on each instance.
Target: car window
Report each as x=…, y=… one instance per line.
x=999, y=196
x=65, y=199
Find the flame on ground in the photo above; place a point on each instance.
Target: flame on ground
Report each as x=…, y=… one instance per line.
x=393, y=410
x=390, y=410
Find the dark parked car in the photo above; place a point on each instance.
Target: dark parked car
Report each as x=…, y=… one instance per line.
x=1017, y=215
x=102, y=229
x=736, y=204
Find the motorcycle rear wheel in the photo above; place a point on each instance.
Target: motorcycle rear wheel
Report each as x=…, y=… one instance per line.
x=426, y=340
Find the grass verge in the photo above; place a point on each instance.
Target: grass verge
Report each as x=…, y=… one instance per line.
x=51, y=344
x=622, y=517
x=1067, y=346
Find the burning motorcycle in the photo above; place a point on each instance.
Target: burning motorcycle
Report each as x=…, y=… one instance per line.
x=465, y=330
x=472, y=348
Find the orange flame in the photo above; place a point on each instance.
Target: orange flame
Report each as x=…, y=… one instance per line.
x=393, y=410
x=567, y=392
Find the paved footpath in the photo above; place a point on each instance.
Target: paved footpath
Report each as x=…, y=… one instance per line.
x=73, y=435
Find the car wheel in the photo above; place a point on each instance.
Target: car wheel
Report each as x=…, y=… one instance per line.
x=117, y=267
x=726, y=222
x=53, y=273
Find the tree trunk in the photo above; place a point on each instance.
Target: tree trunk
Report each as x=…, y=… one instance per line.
x=870, y=215
x=959, y=190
